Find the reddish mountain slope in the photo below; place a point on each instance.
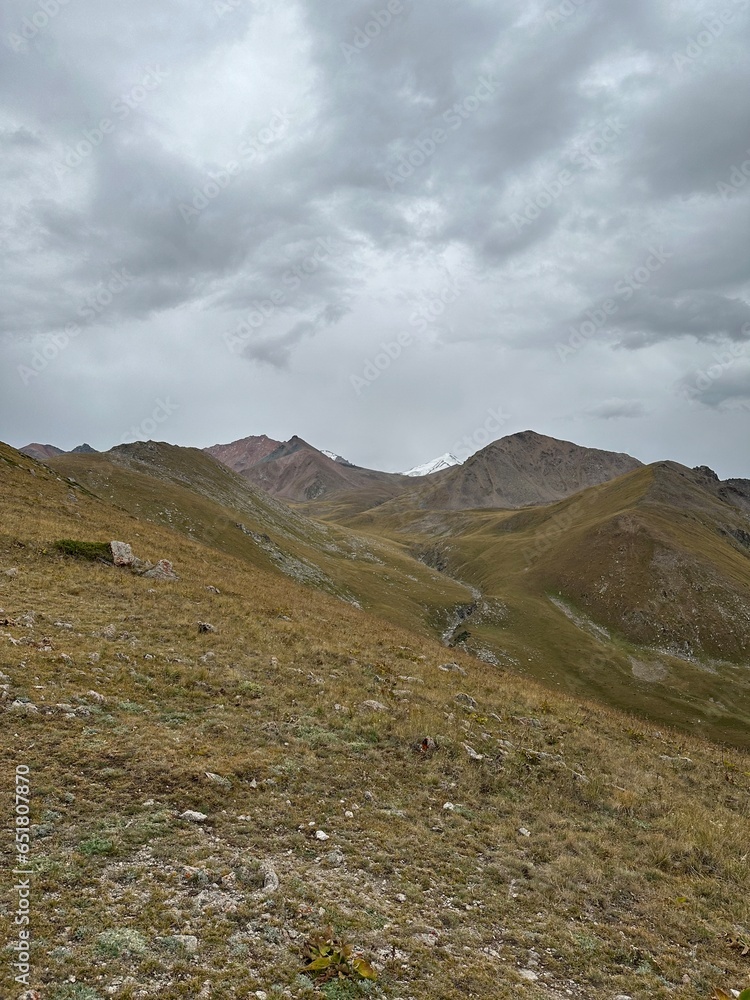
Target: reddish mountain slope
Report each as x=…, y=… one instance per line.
x=41, y=452
x=243, y=454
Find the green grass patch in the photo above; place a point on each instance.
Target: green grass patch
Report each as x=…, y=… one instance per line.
x=90, y=551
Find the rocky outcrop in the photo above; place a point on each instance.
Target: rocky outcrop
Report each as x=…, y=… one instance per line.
x=164, y=570
x=123, y=556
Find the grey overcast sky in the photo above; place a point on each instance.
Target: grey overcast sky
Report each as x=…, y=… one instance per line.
x=394, y=228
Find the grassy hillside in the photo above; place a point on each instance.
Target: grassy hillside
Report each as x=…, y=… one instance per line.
x=636, y=591
x=585, y=855
x=189, y=491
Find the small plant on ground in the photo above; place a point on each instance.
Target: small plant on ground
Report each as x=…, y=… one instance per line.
x=740, y=943
x=347, y=989
x=75, y=992
x=124, y=941
x=96, y=845
x=329, y=958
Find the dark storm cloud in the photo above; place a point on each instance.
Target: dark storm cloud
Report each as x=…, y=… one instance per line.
x=691, y=139
x=734, y=387
x=704, y=316
x=724, y=378
x=267, y=181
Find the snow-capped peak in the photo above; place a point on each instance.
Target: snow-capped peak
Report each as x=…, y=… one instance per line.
x=436, y=465
x=334, y=457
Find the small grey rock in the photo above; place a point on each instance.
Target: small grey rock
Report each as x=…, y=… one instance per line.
x=218, y=780
x=431, y=940
x=373, y=706
x=452, y=668
x=271, y=882
x=466, y=701
x=187, y=941
x=164, y=570
x=191, y=816
x=23, y=707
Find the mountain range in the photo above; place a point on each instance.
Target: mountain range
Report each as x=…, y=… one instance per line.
x=41, y=452
x=518, y=470
x=578, y=567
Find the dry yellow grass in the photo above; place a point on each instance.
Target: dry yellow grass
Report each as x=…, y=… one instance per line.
x=634, y=872
x=650, y=568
